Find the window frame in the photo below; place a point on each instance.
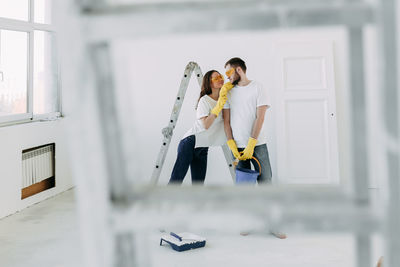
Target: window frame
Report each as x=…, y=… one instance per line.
x=30, y=27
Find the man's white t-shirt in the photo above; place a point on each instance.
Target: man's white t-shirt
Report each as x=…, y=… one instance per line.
x=213, y=136
x=243, y=102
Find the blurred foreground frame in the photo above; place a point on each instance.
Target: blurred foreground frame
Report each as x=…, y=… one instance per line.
x=113, y=212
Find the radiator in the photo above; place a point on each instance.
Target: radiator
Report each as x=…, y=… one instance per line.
x=37, y=165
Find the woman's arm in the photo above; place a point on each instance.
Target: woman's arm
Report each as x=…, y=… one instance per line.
x=208, y=120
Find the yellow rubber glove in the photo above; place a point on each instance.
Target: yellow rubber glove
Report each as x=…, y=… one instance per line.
x=225, y=89
x=232, y=145
x=249, y=150
x=223, y=96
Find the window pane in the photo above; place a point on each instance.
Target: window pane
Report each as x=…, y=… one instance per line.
x=42, y=11
x=45, y=79
x=13, y=72
x=13, y=9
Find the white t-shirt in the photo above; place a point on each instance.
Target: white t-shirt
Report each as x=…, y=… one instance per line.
x=243, y=102
x=213, y=136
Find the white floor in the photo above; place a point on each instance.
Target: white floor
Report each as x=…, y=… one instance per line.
x=46, y=235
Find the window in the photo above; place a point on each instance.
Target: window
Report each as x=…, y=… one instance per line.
x=10, y=9
x=13, y=72
x=44, y=74
x=29, y=84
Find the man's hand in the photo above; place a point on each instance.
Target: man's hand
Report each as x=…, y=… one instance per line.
x=232, y=145
x=249, y=150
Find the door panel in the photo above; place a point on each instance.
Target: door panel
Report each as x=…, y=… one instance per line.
x=306, y=126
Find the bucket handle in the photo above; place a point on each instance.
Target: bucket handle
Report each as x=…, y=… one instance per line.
x=237, y=161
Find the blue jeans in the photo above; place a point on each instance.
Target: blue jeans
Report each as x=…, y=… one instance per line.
x=188, y=155
x=260, y=153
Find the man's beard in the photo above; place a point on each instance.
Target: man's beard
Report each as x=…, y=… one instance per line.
x=237, y=79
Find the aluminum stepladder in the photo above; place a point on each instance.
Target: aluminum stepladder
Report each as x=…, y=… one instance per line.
x=168, y=131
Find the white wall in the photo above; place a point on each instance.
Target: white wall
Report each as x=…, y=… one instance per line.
x=16, y=138
x=150, y=71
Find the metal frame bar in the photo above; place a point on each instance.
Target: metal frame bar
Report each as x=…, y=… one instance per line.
x=390, y=93
x=113, y=6
x=111, y=129
x=186, y=19
x=359, y=135
x=302, y=208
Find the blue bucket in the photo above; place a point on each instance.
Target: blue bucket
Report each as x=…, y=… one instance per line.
x=247, y=176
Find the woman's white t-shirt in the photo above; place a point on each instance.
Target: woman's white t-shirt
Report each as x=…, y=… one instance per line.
x=213, y=136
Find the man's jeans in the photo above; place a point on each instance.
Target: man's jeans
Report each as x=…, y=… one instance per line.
x=188, y=155
x=260, y=153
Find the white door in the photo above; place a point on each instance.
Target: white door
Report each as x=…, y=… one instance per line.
x=307, y=150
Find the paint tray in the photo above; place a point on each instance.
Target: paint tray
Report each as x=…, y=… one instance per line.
x=183, y=241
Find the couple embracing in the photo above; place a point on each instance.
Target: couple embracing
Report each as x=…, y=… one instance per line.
x=234, y=113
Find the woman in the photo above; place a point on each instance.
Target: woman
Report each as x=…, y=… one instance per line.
x=206, y=131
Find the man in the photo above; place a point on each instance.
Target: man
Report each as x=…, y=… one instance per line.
x=244, y=114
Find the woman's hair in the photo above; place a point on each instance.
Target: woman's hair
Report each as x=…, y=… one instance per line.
x=206, y=85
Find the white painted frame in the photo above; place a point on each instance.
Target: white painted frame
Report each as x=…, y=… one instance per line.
x=130, y=203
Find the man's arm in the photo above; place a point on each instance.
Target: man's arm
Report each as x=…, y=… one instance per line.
x=226, y=113
x=258, y=123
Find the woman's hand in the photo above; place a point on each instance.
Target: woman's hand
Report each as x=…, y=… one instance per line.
x=223, y=96
x=225, y=89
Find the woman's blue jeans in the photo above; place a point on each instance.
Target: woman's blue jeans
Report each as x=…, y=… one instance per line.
x=188, y=155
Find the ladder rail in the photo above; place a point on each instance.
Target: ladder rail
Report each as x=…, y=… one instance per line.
x=229, y=160
x=168, y=131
